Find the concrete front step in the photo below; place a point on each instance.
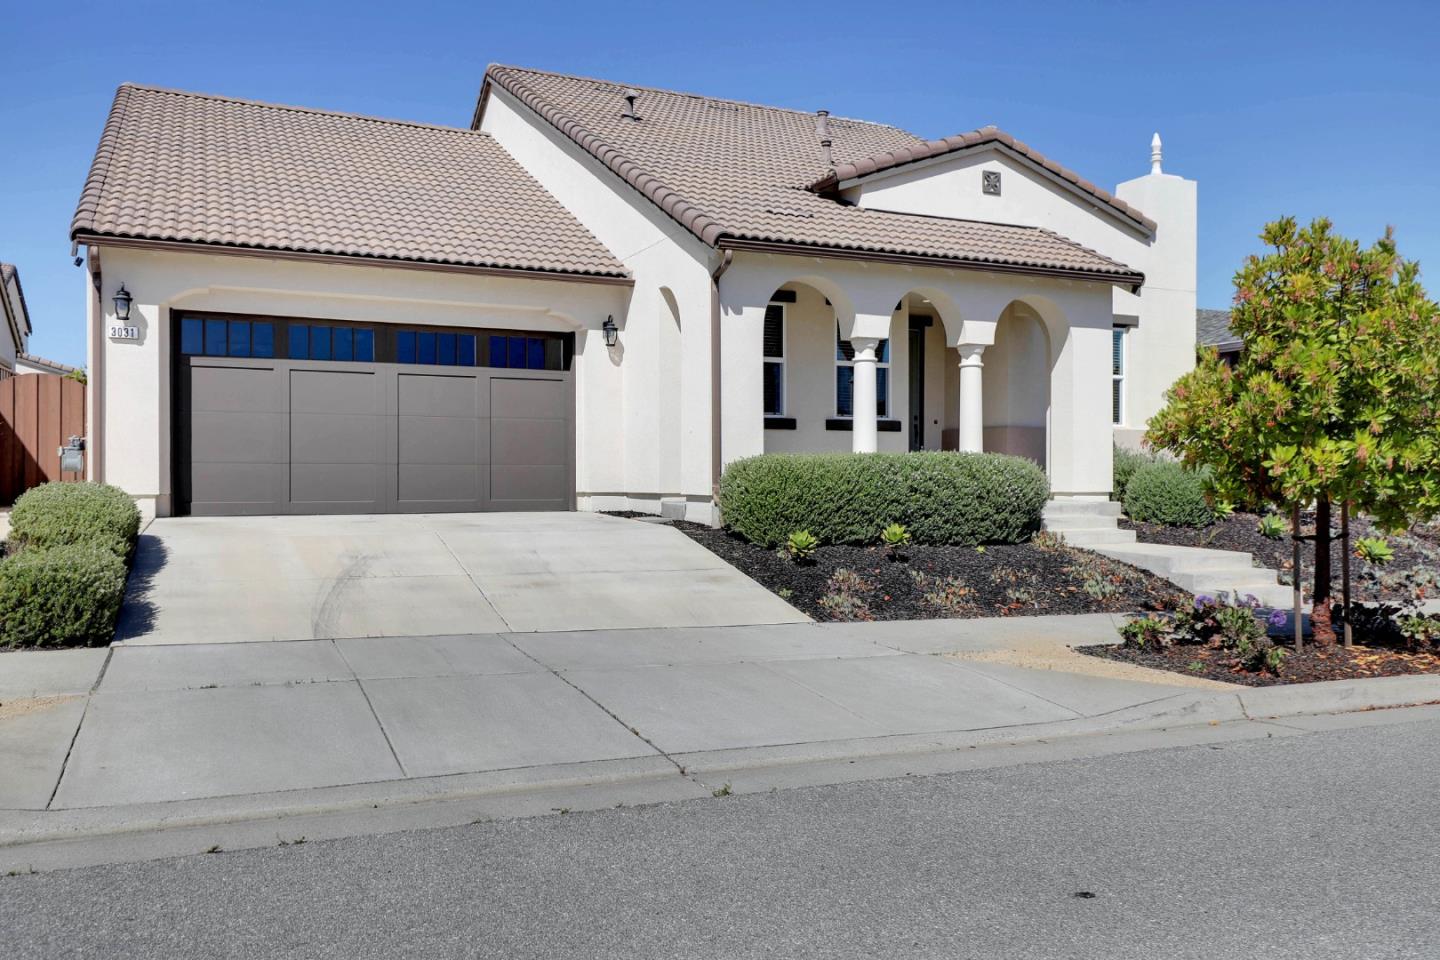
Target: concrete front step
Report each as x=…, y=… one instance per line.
x=1096, y=537
x=1071, y=508
x=1091, y=525
x=1201, y=571
x=1165, y=559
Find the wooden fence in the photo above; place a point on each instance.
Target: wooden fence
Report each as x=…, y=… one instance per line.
x=39, y=412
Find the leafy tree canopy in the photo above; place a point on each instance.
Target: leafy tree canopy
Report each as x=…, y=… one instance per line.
x=1336, y=394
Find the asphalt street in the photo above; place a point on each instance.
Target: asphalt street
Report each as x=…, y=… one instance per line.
x=1316, y=846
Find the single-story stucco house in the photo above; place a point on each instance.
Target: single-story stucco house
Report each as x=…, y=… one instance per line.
x=596, y=296
x=15, y=326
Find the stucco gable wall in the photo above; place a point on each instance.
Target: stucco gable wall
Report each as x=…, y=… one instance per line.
x=952, y=187
x=657, y=385
x=1160, y=347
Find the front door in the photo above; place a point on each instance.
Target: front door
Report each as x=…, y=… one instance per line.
x=917, y=382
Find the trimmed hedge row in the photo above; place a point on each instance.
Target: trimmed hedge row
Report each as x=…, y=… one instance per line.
x=1165, y=492
x=56, y=514
x=62, y=596
x=63, y=579
x=943, y=498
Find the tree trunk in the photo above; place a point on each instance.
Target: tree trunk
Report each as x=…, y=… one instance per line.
x=1324, y=630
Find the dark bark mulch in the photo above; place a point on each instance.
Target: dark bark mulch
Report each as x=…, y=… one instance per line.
x=945, y=582
x=1316, y=663
x=1240, y=532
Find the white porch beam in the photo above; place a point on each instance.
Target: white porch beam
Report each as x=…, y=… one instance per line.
x=972, y=415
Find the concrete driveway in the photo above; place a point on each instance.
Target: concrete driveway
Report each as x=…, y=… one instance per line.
x=213, y=580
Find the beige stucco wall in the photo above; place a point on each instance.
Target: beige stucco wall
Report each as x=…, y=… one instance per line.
x=132, y=385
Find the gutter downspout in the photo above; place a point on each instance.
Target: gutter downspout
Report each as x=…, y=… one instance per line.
x=95, y=376
x=726, y=258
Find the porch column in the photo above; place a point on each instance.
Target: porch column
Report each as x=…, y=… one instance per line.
x=972, y=417
x=865, y=434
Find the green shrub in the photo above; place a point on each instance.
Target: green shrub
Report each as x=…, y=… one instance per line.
x=801, y=545
x=941, y=498
x=1124, y=465
x=1168, y=493
x=894, y=538
x=1272, y=526
x=60, y=596
x=1376, y=550
x=56, y=514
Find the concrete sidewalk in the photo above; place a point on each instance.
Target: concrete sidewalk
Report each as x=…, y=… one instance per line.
x=140, y=737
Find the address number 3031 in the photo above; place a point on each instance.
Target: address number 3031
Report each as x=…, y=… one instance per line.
x=118, y=332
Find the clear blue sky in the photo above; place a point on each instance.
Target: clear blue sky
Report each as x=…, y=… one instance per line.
x=1305, y=108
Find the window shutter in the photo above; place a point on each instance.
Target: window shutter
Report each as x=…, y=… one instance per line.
x=775, y=331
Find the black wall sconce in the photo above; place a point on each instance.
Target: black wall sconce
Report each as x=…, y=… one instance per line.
x=122, y=304
x=612, y=332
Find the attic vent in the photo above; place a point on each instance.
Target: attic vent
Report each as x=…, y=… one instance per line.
x=727, y=107
x=631, y=95
x=799, y=214
x=990, y=182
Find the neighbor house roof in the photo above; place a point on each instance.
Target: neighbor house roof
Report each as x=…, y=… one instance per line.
x=236, y=174
x=14, y=308
x=1212, y=329
x=964, y=141
x=739, y=175
x=54, y=366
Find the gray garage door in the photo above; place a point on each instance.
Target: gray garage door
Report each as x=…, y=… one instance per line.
x=291, y=436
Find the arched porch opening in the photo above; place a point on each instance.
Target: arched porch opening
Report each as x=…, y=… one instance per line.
x=1018, y=368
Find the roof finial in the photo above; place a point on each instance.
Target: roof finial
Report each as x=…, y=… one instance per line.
x=1155, y=153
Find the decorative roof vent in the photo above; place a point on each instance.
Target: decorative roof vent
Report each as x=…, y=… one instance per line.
x=631, y=95
x=1155, y=153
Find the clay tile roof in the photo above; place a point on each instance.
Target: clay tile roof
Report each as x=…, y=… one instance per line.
x=965, y=141
x=54, y=366
x=737, y=174
x=193, y=168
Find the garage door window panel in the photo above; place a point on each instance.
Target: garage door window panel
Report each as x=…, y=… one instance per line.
x=219, y=337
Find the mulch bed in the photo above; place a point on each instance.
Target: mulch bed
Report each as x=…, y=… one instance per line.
x=1332, y=663
x=1240, y=532
x=946, y=582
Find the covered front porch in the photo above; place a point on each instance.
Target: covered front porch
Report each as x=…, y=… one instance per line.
x=826, y=355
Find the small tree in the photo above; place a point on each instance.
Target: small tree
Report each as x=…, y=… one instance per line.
x=1335, y=397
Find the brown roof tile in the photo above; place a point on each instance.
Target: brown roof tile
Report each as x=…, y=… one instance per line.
x=737, y=174
x=188, y=167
